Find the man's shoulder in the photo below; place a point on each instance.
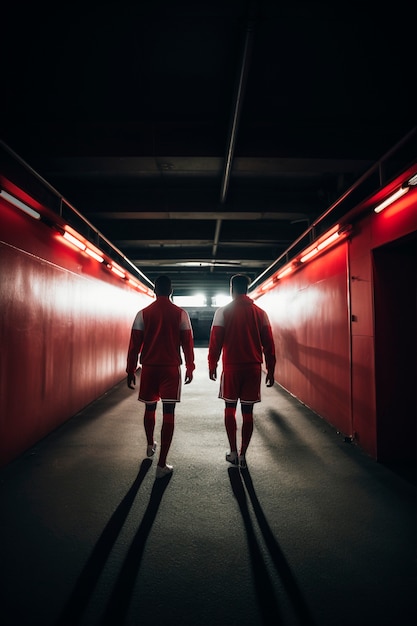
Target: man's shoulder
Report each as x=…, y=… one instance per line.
x=174, y=308
x=149, y=306
x=262, y=313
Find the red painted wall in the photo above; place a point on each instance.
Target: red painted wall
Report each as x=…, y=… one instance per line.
x=64, y=330
x=323, y=317
x=309, y=315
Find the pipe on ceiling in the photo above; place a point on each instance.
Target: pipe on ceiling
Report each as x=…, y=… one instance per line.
x=237, y=107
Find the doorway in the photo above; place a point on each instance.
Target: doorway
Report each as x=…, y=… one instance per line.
x=395, y=318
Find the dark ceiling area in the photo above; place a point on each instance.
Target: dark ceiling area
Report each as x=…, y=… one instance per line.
x=203, y=138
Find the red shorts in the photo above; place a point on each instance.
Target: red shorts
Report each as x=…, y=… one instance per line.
x=241, y=382
x=160, y=383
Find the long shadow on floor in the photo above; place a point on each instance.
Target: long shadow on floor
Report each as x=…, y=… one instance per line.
x=268, y=605
x=90, y=574
x=118, y=604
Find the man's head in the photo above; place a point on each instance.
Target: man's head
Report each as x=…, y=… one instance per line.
x=239, y=284
x=163, y=286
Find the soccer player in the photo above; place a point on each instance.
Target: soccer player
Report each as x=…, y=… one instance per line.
x=242, y=331
x=158, y=332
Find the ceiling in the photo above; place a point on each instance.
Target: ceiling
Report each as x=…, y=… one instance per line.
x=203, y=138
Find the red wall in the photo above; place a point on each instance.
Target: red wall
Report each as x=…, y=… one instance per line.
x=323, y=317
x=309, y=315
x=64, y=330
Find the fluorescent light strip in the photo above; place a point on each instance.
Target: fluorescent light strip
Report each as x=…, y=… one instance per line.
x=94, y=255
x=20, y=205
x=323, y=244
x=118, y=272
x=392, y=198
x=285, y=271
x=328, y=241
x=74, y=240
x=307, y=256
x=82, y=246
x=267, y=285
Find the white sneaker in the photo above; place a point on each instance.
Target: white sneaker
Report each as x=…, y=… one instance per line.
x=150, y=450
x=161, y=472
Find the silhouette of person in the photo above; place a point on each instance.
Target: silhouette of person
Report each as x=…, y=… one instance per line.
x=158, y=334
x=242, y=332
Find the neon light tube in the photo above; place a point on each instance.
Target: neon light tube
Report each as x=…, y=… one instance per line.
x=93, y=254
x=392, y=198
x=285, y=271
x=307, y=256
x=20, y=205
x=267, y=285
x=118, y=272
x=327, y=241
x=74, y=240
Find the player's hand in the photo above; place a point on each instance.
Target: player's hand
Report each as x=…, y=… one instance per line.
x=188, y=377
x=269, y=379
x=213, y=373
x=131, y=381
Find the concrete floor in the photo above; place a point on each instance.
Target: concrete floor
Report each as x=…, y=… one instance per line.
x=312, y=533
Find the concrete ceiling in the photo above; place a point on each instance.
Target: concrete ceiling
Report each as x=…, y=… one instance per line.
x=203, y=138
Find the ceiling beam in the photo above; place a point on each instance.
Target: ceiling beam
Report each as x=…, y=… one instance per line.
x=166, y=167
x=197, y=215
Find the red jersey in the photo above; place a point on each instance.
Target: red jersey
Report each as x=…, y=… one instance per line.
x=243, y=332
x=158, y=332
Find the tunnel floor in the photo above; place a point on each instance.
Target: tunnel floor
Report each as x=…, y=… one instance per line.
x=313, y=532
